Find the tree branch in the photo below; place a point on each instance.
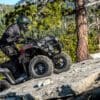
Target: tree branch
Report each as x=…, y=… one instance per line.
x=93, y=3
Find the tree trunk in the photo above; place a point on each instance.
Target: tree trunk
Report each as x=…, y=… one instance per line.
x=82, y=35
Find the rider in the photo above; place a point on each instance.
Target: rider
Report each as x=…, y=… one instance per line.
x=11, y=36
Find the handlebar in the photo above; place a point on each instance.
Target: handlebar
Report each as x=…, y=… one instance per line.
x=30, y=40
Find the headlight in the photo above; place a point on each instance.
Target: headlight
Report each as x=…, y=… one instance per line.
x=56, y=39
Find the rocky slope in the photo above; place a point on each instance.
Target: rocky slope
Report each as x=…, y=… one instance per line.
x=81, y=77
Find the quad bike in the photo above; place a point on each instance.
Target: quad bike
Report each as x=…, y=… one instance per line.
x=38, y=58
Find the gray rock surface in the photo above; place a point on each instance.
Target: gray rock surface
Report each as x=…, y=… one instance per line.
x=81, y=77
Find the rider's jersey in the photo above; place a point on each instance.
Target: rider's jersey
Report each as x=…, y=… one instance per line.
x=11, y=34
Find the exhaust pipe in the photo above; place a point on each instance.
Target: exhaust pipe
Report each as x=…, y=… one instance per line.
x=7, y=73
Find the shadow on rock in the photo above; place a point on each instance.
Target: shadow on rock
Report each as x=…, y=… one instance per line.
x=13, y=96
x=66, y=93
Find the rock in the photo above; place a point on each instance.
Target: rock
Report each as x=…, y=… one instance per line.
x=95, y=56
x=80, y=78
x=43, y=83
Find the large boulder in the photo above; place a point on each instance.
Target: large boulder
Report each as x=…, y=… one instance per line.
x=81, y=77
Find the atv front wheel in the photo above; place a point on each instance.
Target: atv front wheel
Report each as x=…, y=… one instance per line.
x=62, y=63
x=40, y=66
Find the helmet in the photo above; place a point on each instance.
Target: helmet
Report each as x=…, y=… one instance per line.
x=23, y=22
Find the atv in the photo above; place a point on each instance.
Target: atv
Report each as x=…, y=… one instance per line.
x=37, y=58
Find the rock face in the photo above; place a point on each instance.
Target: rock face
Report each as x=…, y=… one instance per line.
x=80, y=78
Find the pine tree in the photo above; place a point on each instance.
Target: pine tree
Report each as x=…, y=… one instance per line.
x=82, y=30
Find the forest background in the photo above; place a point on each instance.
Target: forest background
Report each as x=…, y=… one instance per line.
x=53, y=17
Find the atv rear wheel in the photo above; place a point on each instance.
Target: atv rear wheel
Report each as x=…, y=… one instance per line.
x=62, y=62
x=40, y=66
x=4, y=85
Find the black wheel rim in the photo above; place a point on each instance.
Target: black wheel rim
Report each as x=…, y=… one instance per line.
x=60, y=63
x=41, y=68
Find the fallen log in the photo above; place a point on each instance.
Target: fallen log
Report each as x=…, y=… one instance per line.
x=81, y=77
